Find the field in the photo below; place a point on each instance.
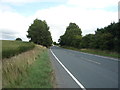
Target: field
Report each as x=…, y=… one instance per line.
x=29, y=69
x=12, y=48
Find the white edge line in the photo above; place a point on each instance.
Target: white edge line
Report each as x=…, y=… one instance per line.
x=80, y=85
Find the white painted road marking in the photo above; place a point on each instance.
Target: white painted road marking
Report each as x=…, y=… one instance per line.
x=91, y=60
x=79, y=84
x=114, y=59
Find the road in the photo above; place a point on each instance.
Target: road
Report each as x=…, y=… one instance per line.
x=83, y=70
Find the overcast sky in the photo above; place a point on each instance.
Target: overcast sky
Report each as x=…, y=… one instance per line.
x=17, y=15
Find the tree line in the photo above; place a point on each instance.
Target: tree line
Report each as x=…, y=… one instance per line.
x=106, y=38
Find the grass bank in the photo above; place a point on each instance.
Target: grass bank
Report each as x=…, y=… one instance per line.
x=31, y=69
x=39, y=74
x=12, y=48
x=96, y=51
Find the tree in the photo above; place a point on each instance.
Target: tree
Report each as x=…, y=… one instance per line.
x=107, y=38
x=54, y=43
x=18, y=39
x=86, y=41
x=39, y=33
x=72, y=36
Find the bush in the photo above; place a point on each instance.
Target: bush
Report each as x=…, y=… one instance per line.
x=18, y=39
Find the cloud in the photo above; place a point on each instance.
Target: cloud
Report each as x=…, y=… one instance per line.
x=59, y=17
x=93, y=3
x=15, y=23
x=5, y=8
x=29, y=1
x=88, y=20
x=8, y=34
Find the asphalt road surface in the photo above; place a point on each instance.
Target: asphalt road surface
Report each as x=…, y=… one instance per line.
x=75, y=69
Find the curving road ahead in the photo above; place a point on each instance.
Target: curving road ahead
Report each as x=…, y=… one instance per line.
x=75, y=69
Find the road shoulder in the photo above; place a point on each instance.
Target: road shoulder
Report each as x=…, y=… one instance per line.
x=62, y=78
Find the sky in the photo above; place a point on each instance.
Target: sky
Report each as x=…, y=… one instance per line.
x=17, y=15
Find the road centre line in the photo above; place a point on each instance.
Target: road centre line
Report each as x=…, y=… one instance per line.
x=94, y=61
x=79, y=84
x=114, y=59
x=110, y=58
x=90, y=60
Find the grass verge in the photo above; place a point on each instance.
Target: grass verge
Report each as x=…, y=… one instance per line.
x=96, y=51
x=39, y=74
x=30, y=69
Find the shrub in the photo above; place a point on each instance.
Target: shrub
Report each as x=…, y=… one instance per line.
x=18, y=39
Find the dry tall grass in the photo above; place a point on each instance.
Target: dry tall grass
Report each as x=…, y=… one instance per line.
x=15, y=67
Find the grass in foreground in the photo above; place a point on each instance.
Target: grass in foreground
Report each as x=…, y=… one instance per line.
x=95, y=51
x=39, y=74
x=12, y=48
x=30, y=69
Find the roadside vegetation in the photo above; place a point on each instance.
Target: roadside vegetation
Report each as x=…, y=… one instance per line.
x=31, y=69
x=40, y=73
x=105, y=41
x=25, y=64
x=39, y=33
x=12, y=48
x=95, y=51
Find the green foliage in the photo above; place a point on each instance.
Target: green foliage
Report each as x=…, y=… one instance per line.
x=39, y=33
x=86, y=41
x=106, y=38
x=11, y=48
x=72, y=36
x=54, y=43
x=18, y=39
